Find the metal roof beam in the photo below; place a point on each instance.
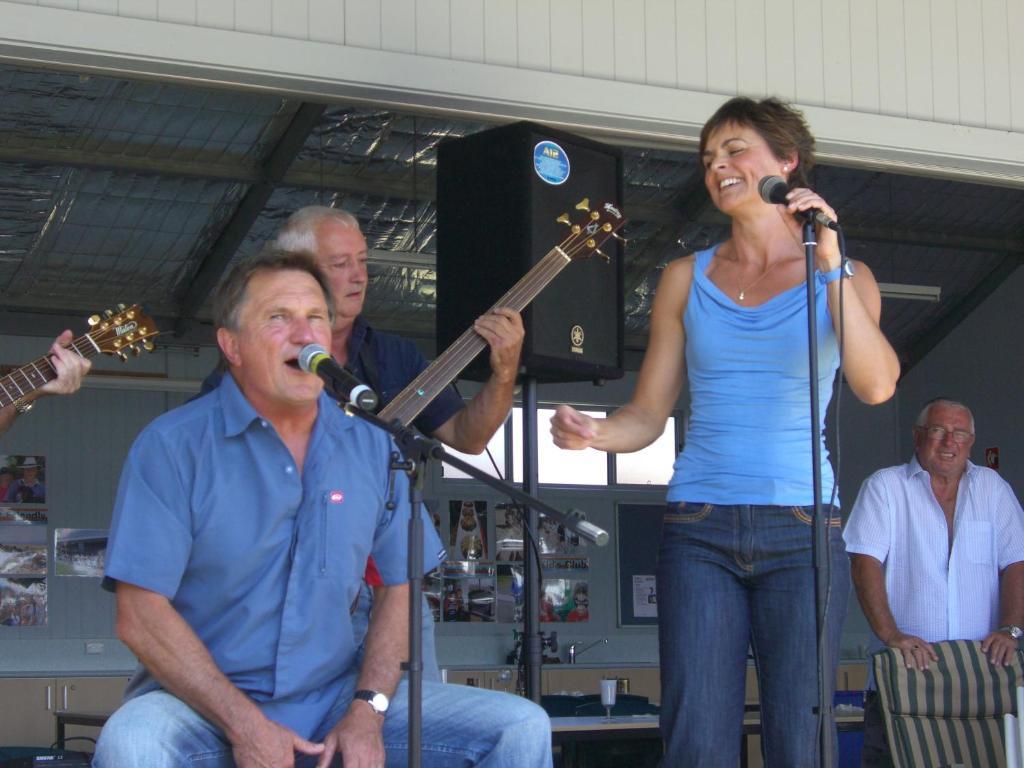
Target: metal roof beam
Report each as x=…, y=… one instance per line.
x=918, y=349
x=250, y=207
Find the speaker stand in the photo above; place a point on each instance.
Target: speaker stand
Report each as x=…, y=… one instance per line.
x=532, y=653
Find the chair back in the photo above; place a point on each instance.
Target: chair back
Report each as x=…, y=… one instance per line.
x=948, y=714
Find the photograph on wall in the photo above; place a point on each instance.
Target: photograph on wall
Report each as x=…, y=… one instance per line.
x=556, y=539
x=22, y=549
x=565, y=600
x=467, y=523
x=22, y=479
x=22, y=602
x=565, y=595
x=508, y=532
x=79, y=551
x=432, y=592
x=510, y=594
x=468, y=592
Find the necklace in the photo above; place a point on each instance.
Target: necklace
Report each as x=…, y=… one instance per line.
x=758, y=279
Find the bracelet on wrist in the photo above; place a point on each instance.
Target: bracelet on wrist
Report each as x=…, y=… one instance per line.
x=22, y=406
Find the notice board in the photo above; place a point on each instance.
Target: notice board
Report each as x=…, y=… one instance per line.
x=637, y=532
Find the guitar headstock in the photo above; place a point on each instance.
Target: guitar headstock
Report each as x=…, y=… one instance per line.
x=590, y=229
x=122, y=332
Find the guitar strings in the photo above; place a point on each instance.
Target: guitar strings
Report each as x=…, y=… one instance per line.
x=469, y=343
x=31, y=380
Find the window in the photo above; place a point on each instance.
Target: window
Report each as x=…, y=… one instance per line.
x=555, y=466
x=482, y=462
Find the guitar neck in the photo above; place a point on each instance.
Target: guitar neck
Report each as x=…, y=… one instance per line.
x=419, y=393
x=32, y=376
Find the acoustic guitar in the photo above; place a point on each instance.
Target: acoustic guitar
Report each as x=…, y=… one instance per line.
x=127, y=330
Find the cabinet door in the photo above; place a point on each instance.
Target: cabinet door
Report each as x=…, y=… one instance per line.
x=26, y=718
x=503, y=679
x=90, y=694
x=87, y=694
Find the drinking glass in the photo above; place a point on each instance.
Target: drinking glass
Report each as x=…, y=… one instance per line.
x=608, y=695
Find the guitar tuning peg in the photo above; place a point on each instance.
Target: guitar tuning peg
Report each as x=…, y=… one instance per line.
x=122, y=355
x=148, y=345
x=135, y=350
x=107, y=313
x=121, y=307
x=93, y=320
x=583, y=205
x=564, y=219
x=602, y=255
x=620, y=238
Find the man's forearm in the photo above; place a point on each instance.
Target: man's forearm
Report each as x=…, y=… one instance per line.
x=7, y=417
x=1011, y=595
x=172, y=652
x=470, y=429
x=387, y=640
x=869, y=581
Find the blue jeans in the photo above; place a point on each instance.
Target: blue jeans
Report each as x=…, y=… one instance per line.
x=361, y=623
x=462, y=726
x=729, y=578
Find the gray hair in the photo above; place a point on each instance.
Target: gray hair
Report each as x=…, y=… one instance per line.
x=230, y=294
x=299, y=232
x=922, y=418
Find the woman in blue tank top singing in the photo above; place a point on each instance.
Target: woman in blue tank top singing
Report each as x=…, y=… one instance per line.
x=734, y=565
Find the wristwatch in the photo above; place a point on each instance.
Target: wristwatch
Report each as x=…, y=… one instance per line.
x=1014, y=631
x=378, y=701
x=845, y=269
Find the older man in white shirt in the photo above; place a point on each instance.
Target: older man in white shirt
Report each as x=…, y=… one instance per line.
x=937, y=553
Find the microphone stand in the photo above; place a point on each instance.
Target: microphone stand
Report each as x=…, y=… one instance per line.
x=416, y=450
x=819, y=530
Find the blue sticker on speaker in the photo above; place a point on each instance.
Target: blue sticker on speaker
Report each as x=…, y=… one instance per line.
x=551, y=162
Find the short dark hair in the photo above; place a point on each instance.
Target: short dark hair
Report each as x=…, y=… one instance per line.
x=781, y=126
x=230, y=294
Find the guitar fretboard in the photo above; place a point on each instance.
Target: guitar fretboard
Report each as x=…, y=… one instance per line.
x=419, y=393
x=32, y=376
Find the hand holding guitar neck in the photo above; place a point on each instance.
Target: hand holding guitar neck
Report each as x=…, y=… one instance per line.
x=61, y=371
x=587, y=233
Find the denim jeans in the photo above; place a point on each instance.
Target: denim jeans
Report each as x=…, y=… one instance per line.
x=361, y=623
x=729, y=578
x=462, y=726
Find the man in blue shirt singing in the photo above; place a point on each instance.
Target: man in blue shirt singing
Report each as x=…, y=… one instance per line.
x=240, y=533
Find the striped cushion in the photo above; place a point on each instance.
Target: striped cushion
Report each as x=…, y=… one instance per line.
x=950, y=713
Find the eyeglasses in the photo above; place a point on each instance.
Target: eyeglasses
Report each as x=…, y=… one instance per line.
x=960, y=436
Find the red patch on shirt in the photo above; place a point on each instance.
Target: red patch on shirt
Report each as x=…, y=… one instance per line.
x=336, y=497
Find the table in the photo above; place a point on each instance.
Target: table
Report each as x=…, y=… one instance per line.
x=66, y=717
x=570, y=730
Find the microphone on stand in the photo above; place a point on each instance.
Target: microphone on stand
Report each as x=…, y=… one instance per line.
x=773, y=190
x=315, y=359
x=588, y=530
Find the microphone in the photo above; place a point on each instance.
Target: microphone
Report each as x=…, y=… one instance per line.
x=773, y=189
x=315, y=359
x=586, y=529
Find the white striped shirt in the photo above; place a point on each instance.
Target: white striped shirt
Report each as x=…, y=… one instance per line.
x=935, y=594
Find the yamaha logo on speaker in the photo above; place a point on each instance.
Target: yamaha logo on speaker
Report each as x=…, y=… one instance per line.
x=576, y=337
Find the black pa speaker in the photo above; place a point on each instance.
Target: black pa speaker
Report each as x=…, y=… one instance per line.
x=499, y=193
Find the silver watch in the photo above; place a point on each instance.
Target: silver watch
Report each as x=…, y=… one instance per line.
x=1013, y=630
x=378, y=701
